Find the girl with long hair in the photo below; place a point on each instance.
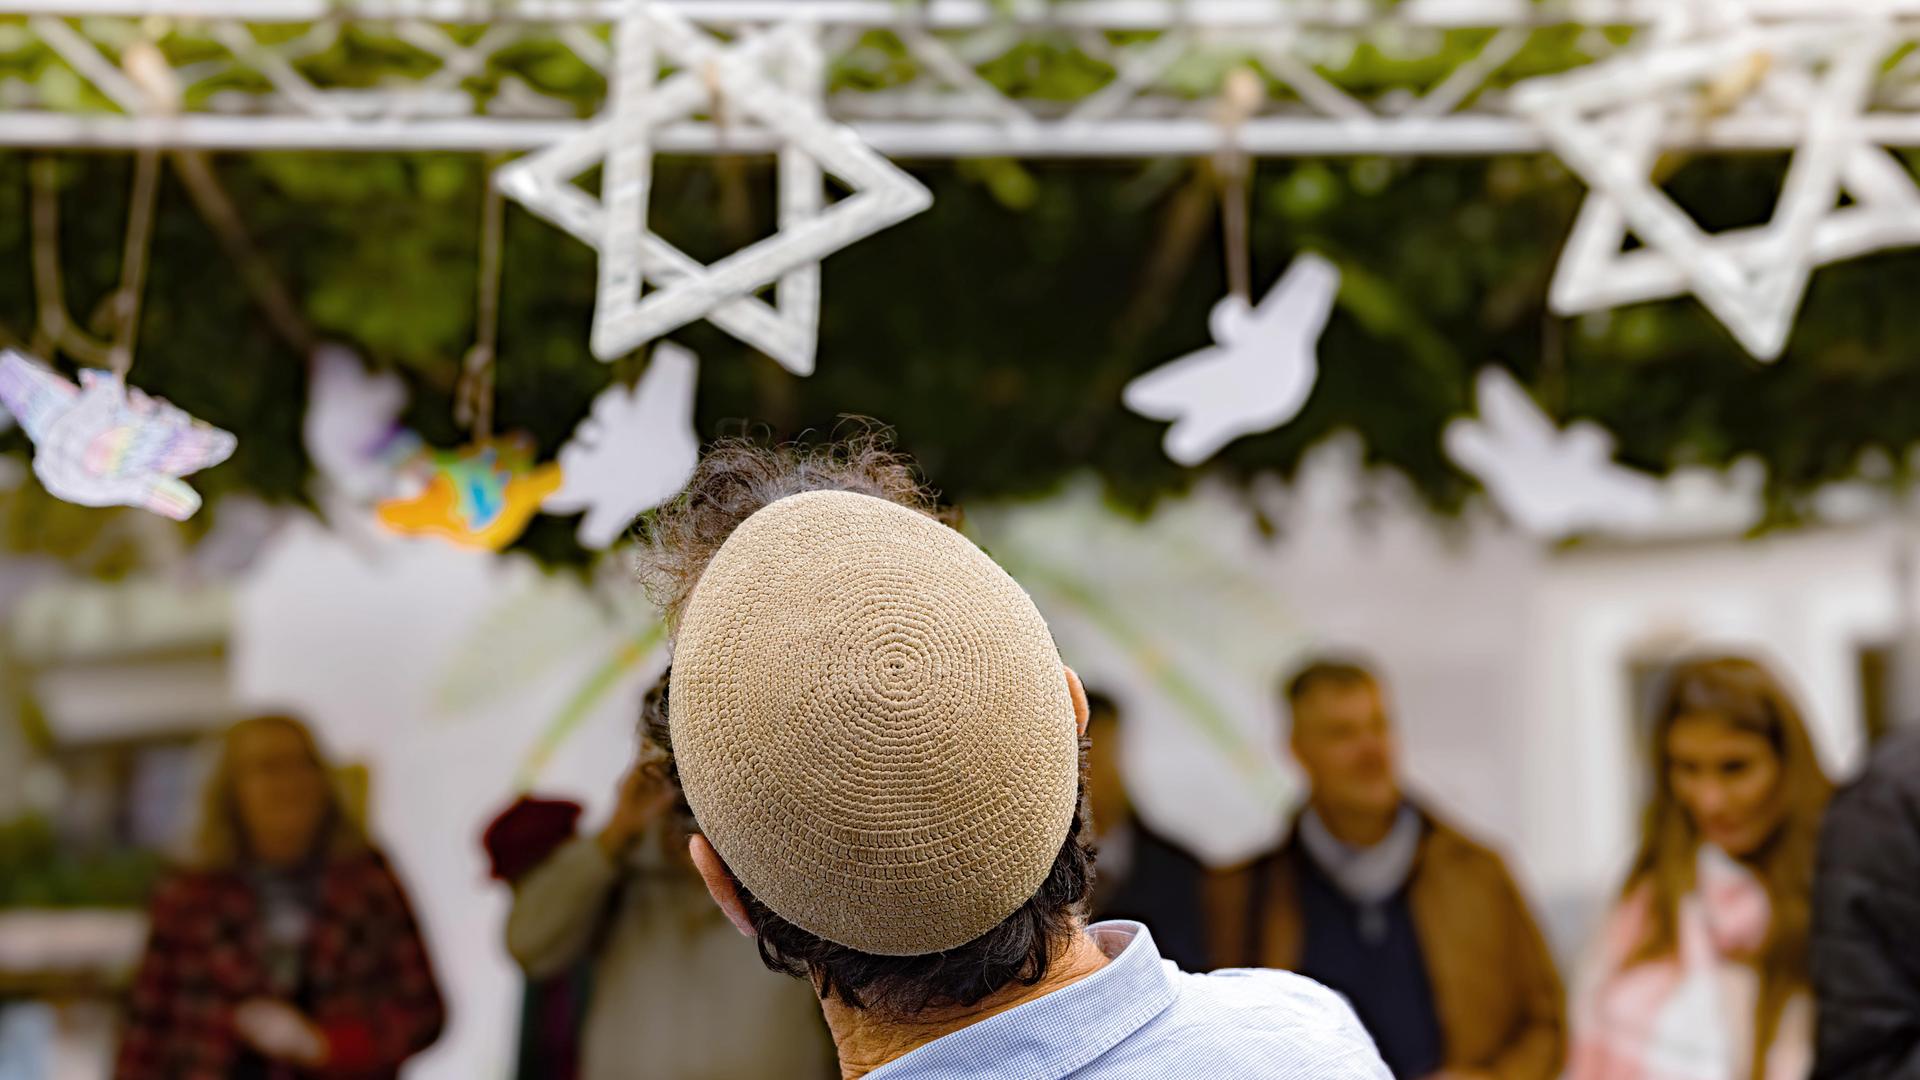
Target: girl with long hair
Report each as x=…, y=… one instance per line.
x=1701, y=972
x=286, y=947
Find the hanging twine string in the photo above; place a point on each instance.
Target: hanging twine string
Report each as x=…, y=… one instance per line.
x=54, y=329
x=722, y=116
x=1241, y=93
x=133, y=262
x=149, y=71
x=473, y=397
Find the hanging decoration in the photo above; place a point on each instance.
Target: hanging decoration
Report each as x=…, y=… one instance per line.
x=1261, y=366
x=633, y=452
x=771, y=77
x=105, y=443
x=1255, y=376
x=1551, y=482
x=473, y=396
x=352, y=428
x=481, y=495
x=1607, y=122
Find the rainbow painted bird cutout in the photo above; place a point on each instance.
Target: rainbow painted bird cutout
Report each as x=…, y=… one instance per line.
x=104, y=443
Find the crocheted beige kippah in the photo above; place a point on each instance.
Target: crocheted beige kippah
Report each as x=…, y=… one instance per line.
x=872, y=724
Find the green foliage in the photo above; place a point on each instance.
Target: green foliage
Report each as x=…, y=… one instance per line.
x=35, y=873
x=996, y=330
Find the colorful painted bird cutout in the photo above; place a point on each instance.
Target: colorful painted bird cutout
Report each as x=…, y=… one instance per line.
x=104, y=443
x=481, y=495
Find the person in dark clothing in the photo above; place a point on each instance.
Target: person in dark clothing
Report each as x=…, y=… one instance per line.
x=1140, y=875
x=522, y=837
x=1866, y=923
x=1421, y=928
x=288, y=949
x=1352, y=947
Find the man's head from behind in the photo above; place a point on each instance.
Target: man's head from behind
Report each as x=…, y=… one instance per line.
x=872, y=727
x=1342, y=737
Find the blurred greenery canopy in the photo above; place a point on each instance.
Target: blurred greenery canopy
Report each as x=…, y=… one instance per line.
x=996, y=330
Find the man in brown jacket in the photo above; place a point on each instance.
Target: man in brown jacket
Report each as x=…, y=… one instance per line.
x=1422, y=929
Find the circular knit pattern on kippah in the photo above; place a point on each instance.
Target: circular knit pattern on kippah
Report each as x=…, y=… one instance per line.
x=872, y=725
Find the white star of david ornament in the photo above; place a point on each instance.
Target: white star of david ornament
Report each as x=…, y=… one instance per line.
x=739, y=80
x=1606, y=123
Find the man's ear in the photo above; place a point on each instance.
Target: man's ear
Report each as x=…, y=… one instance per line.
x=1081, y=711
x=719, y=883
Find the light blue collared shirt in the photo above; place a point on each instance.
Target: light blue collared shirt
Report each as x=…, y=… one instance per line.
x=1142, y=1018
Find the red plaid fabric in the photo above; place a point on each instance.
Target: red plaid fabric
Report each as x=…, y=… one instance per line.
x=370, y=985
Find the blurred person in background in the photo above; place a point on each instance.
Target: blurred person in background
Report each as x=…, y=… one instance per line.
x=552, y=1008
x=1141, y=876
x=676, y=993
x=288, y=948
x=1701, y=969
x=1421, y=928
x=1866, y=922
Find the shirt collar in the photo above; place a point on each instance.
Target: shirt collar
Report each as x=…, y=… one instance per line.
x=1052, y=1036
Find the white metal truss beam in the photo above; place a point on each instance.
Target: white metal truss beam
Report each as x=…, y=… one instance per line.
x=946, y=107
x=955, y=14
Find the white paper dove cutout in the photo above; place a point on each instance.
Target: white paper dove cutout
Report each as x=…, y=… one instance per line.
x=1254, y=377
x=633, y=452
x=104, y=443
x=352, y=426
x=1551, y=482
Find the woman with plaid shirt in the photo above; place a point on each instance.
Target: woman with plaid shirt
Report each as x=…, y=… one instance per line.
x=289, y=949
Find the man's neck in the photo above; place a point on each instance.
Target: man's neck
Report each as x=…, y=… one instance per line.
x=1357, y=828
x=866, y=1041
